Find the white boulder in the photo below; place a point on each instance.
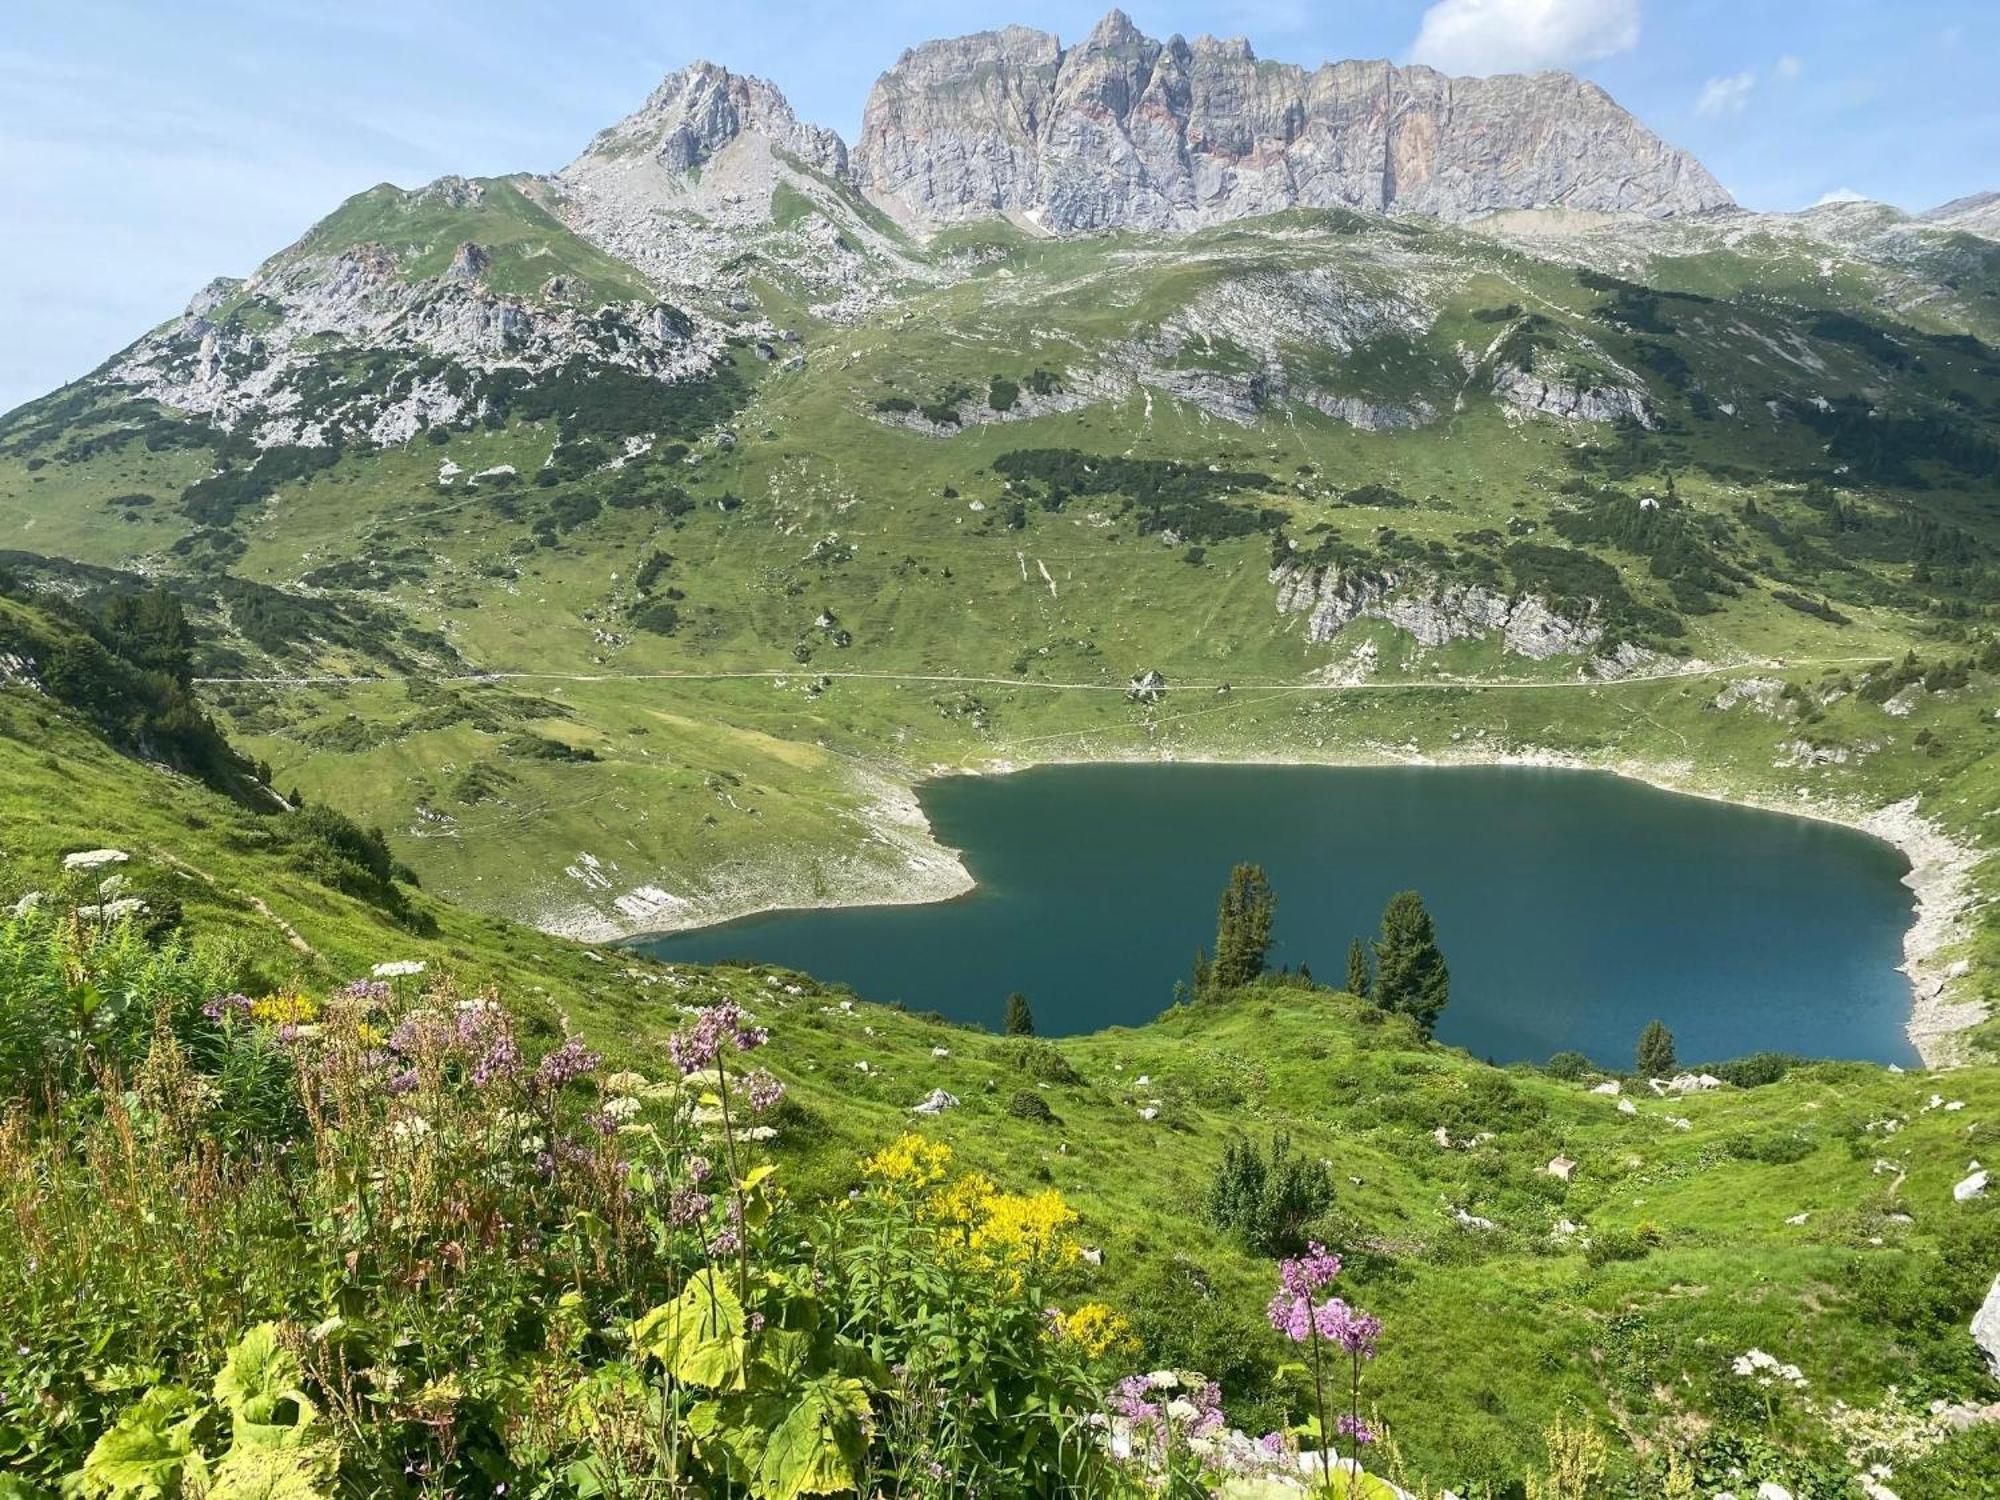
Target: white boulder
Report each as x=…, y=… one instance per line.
x=1986, y=1328
x=1972, y=1187
x=936, y=1102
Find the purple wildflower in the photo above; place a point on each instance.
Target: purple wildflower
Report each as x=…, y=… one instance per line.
x=227, y=1005
x=761, y=1088
x=403, y=1082
x=698, y=1044
x=374, y=991
x=1351, y=1426
x=698, y=1169
x=565, y=1064
x=687, y=1207
x=728, y=1242
x=501, y=1060
x=1309, y=1272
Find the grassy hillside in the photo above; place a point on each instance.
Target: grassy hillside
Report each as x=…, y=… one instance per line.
x=1804, y=1210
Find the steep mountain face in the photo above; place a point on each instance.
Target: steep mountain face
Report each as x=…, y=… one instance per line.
x=712, y=165
x=1126, y=131
x=393, y=313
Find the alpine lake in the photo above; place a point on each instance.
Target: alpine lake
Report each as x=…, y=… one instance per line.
x=1572, y=906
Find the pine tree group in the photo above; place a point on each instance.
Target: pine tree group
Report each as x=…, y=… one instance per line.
x=1410, y=972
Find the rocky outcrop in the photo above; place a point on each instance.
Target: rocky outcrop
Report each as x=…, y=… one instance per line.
x=1986, y=1328
x=701, y=110
x=689, y=182
x=1434, y=611
x=1122, y=130
x=254, y=349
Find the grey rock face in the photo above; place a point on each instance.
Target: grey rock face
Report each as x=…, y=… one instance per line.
x=699, y=110
x=1122, y=130
x=1434, y=612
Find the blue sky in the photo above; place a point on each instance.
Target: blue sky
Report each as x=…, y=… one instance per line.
x=145, y=147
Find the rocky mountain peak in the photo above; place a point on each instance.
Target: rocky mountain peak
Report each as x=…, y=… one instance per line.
x=1122, y=130
x=698, y=111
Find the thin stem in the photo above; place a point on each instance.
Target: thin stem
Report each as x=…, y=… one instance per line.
x=735, y=1186
x=1319, y=1397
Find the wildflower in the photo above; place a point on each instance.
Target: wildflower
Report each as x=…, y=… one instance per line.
x=626, y=1082
x=698, y=1168
x=1351, y=1426
x=368, y=991
x=696, y=1046
x=762, y=1089
x=1767, y=1370
x=621, y=1107
x=564, y=1064
x=401, y=968
x=1094, y=1328
x=501, y=1060
x=1308, y=1273
x=419, y=1031
x=1020, y=1230
x=909, y=1161
x=410, y=1128
x=688, y=1207
x=728, y=1242
x=227, y=1005
x=402, y=1083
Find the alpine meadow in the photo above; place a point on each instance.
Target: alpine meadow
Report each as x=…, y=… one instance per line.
x=415, y=652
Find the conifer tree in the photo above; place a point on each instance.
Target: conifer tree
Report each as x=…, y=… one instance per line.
x=1242, y=928
x=1410, y=971
x=1656, y=1052
x=1203, y=974
x=1020, y=1019
x=1358, y=980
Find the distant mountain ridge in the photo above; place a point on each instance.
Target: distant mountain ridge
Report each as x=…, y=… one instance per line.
x=1123, y=130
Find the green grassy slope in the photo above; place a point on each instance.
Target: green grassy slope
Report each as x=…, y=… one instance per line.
x=1493, y=1331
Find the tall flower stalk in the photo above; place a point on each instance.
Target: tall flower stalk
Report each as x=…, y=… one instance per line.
x=1295, y=1314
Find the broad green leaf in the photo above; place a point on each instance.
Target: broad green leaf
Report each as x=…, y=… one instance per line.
x=145, y=1453
x=699, y=1335
x=814, y=1451
x=260, y=1385
x=298, y=1471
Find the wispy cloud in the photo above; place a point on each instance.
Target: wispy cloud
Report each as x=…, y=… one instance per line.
x=1521, y=36
x=1728, y=95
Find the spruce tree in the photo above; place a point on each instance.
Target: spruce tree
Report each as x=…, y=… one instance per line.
x=1020, y=1019
x=1656, y=1052
x=1358, y=981
x=1242, y=928
x=1410, y=972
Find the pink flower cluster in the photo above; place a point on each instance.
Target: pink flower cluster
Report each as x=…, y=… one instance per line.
x=697, y=1045
x=1295, y=1314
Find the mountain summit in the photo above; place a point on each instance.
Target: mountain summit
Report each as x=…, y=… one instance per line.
x=1122, y=130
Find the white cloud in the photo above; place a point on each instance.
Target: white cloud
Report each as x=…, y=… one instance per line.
x=1841, y=195
x=1790, y=66
x=1726, y=96
x=1523, y=36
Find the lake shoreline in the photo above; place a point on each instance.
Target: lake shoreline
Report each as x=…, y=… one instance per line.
x=1939, y=876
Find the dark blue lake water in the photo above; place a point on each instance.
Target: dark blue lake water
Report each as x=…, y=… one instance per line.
x=1572, y=906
